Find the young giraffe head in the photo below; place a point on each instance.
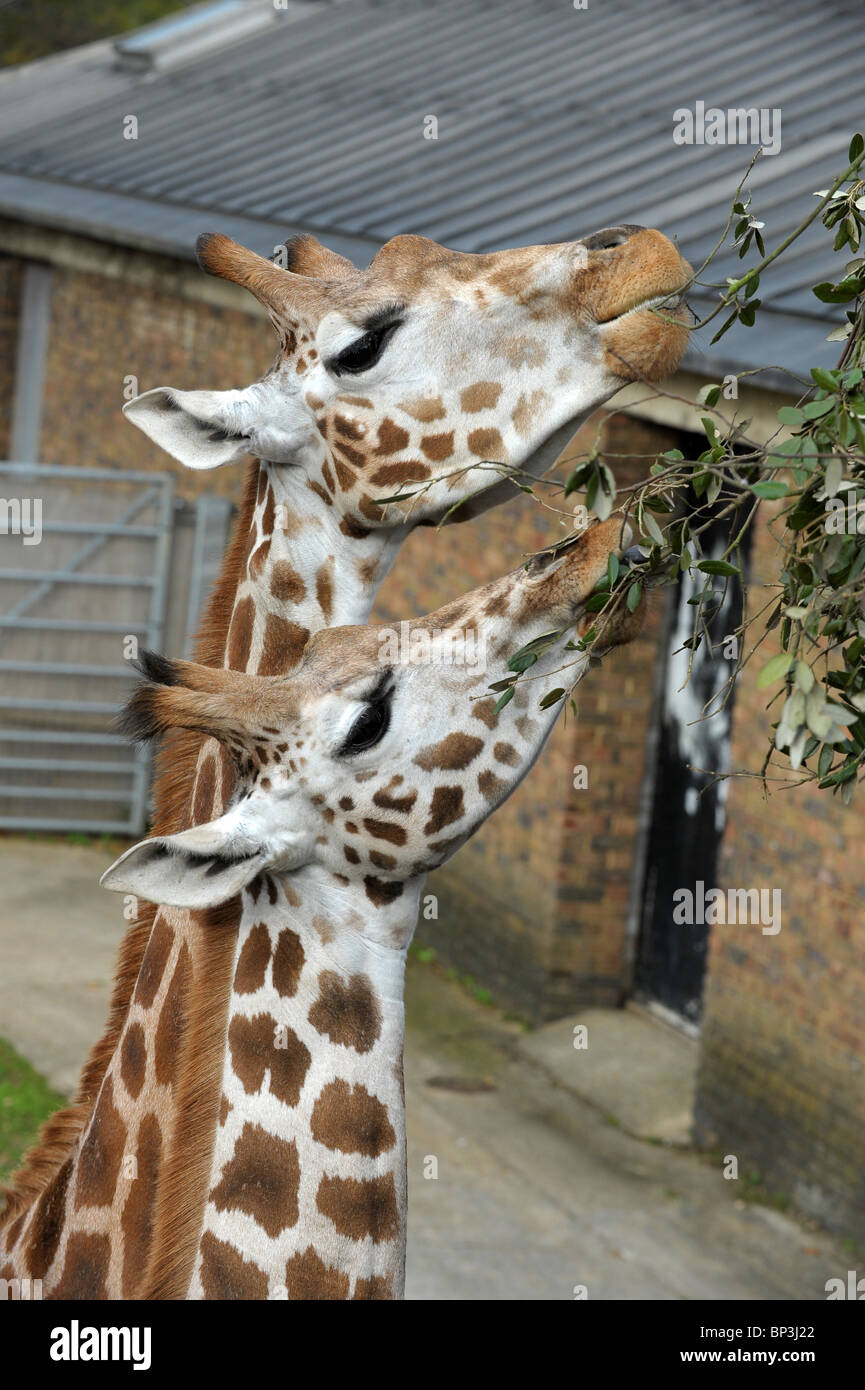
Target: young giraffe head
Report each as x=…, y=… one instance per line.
x=399, y=378
x=375, y=768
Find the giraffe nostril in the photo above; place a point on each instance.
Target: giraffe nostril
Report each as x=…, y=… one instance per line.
x=611, y=237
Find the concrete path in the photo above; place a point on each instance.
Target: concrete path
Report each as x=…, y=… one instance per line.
x=59, y=933
x=527, y=1178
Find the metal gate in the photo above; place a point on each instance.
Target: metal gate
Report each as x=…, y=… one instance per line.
x=74, y=600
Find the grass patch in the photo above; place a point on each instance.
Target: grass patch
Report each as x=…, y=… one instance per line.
x=26, y=1101
x=35, y=28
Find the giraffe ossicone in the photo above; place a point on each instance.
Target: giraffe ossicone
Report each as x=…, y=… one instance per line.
x=355, y=778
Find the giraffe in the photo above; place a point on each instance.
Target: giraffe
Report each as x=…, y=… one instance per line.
x=357, y=775
x=431, y=373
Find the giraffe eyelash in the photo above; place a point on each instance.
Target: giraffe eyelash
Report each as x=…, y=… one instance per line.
x=365, y=351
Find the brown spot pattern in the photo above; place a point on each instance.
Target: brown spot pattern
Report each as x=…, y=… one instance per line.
x=485, y=710
x=483, y=395
x=387, y=802
x=454, y=752
x=226, y=1274
x=154, y=963
x=438, y=447
x=262, y=1179
x=46, y=1227
x=380, y=892
x=288, y=959
x=286, y=584
x=446, y=806
x=254, y=1051
x=133, y=1059
x=391, y=438
x=308, y=1278
x=240, y=634
x=101, y=1152
x=169, y=1033
x=486, y=444
x=205, y=788
x=254, y=956
x=284, y=642
x=506, y=753
x=351, y=1120
x=376, y=1287
x=85, y=1268
x=491, y=787
x=324, y=588
x=360, y=1208
x=348, y=1013
x=385, y=830
x=137, y=1219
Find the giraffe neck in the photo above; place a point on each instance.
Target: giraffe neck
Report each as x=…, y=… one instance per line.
x=304, y=567
x=307, y=1188
x=111, y=1205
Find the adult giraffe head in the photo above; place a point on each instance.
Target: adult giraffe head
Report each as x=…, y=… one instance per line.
x=399, y=378
x=376, y=759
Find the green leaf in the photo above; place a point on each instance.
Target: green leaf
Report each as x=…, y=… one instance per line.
x=522, y=661
x=857, y=145
x=834, y=474
x=843, y=774
x=612, y=568
x=769, y=489
x=824, y=762
x=728, y=323
x=791, y=415
x=774, y=670
x=552, y=698
x=578, y=478
x=539, y=644
x=596, y=602
x=824, y=379
x=804, y=677
x=717, y=567
x=396, y=497
x=815, y=409
x=652, y=529
x=635, y=593
x=504, y=700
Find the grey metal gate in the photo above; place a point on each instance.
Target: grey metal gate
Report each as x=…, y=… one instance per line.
x=72, y=604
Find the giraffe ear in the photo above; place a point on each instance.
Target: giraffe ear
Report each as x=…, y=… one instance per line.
x=207, y=864
x=201, y=429
x=175, y=871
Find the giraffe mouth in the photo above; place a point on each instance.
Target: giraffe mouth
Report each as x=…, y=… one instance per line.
x=665, y=304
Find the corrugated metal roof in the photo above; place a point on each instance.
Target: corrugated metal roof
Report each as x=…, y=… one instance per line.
x=552, y=121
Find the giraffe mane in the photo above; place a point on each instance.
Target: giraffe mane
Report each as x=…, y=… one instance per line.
x=175, y=773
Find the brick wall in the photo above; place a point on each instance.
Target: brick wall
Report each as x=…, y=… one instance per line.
x=782, y=1071
x=103, y=330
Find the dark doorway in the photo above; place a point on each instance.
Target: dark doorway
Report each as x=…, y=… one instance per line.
x=688, y=805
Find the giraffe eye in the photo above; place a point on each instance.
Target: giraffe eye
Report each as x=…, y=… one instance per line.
x=364, y=352
x=368, y=729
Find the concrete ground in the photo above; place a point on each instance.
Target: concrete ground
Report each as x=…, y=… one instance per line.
x=536, y=1168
